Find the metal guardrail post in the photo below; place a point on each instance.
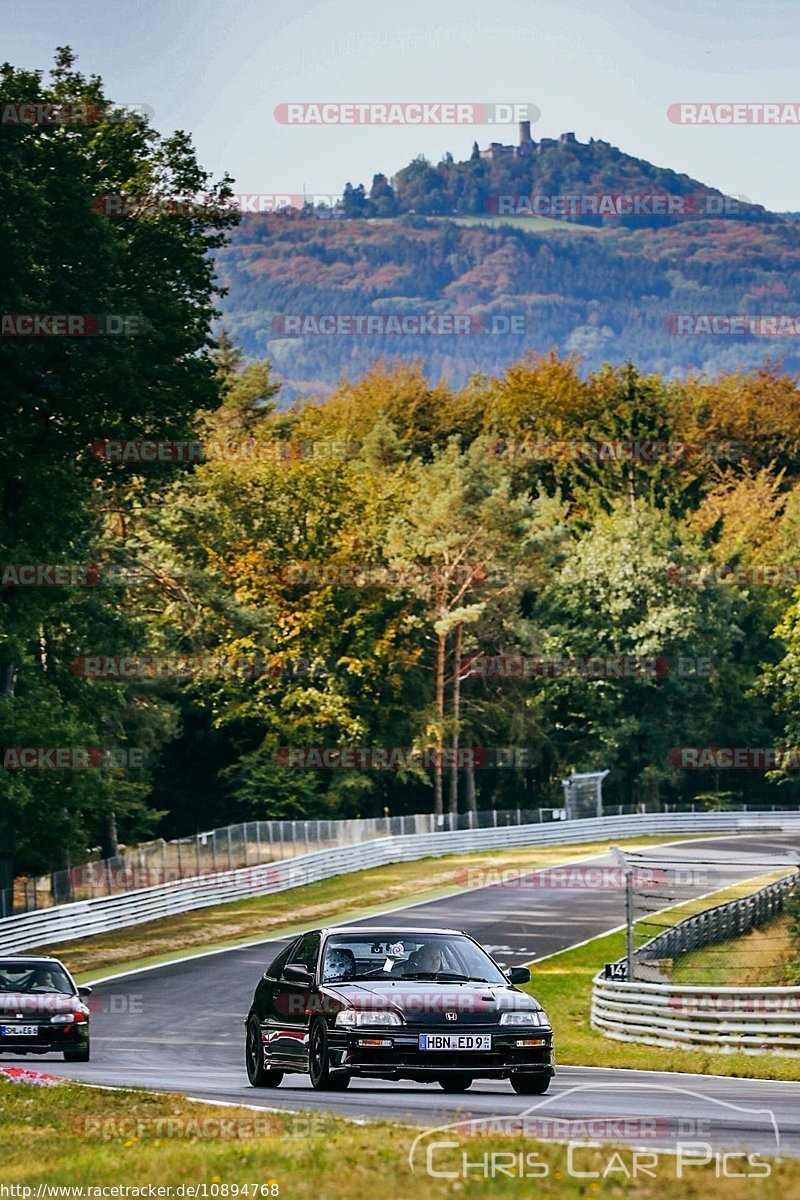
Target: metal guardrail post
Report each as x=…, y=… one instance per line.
x=622, y=861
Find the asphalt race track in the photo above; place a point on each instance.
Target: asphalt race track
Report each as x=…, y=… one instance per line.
x=180, y=1027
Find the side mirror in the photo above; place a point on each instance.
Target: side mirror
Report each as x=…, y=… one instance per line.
x=297, y=973
x=518, y=975
x=84, y=990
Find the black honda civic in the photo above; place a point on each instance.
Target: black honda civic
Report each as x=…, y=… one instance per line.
x=42, y=1009
x=428, y=1005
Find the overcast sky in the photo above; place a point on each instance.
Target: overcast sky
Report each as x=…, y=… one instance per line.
x=603, y=68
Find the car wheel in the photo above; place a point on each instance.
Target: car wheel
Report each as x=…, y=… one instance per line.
x=530, y=1085
x=322, y=1077
x=82, y=1055
x=257, y=1073
x=455, y=1083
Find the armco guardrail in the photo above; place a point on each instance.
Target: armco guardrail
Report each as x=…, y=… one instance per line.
x=726, y=1019
x=67, y=922
x=747, y=1020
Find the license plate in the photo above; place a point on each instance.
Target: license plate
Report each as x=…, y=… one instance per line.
x=19, y=1030
x=455, y=1041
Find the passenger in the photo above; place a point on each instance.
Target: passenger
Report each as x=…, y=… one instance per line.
x=339, y=963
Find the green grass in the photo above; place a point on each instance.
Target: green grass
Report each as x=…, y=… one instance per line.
x=71, y=1135
x=765, y=957
x=528, y=224
x=563, y=985
x=345, y=897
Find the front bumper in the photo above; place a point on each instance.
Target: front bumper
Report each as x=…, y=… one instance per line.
x=48, y=1039
x=402, y=1057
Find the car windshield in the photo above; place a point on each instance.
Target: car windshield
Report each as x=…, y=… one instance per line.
x=34, y=978
x=450, y=957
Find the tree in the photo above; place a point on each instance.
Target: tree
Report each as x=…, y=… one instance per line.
x=227, y=356
x=65, y=393
x=354, y=201
x=476, y=542
x=382, y=197
x=615, y=596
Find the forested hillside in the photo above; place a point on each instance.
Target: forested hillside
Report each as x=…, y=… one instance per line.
x=605, y=294
x=546, y=169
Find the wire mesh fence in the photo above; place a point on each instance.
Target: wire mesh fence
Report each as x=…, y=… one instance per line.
x=234, y=846
x=716, y=918
x=255, y=842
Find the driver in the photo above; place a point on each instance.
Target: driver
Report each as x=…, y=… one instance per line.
x=43, y=979
x=427, y=960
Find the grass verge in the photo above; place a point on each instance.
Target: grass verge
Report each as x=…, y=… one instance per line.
x=341, y=898
x=75, y=1136
x=563, y=985
x=765, y=957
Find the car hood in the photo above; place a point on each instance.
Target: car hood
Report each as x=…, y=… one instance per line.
x=429, y=1002
x=40, y=1004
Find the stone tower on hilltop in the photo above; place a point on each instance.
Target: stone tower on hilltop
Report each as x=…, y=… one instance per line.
x=527, y=146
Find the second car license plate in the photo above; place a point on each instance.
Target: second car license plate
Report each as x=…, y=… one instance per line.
x=455, y=1041
x=18, y=1030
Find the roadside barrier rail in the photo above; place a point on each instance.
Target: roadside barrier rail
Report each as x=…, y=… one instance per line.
x=746, y=1020
x=68, y=922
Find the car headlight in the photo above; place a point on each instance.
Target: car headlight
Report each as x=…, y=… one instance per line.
x=62, y=1019
x=529, y=1017
x=350, y=1017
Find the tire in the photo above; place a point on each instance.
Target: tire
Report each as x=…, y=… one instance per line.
x=530, y=1085
x=257, y=1073
x=455, y=1083
x=323, y=1079
x=81, y=1055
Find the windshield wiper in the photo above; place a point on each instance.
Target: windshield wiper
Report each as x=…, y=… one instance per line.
x=453, y=976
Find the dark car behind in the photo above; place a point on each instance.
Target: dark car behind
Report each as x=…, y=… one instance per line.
x=42, y=1009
